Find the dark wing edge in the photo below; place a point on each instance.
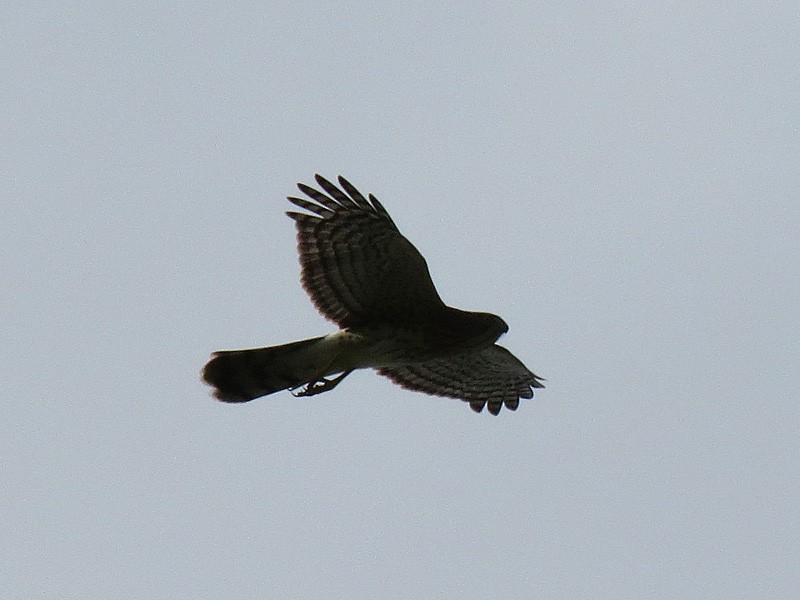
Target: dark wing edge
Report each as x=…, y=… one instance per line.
x=337, y=288
x=357, y=267
x=337, y=201
x=489, y=378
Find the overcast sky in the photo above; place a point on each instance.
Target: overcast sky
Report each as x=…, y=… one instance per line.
x=617, y=180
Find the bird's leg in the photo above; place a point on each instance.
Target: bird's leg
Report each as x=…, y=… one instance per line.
x=317, y=386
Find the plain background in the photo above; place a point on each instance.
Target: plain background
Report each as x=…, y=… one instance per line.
x=618, y=180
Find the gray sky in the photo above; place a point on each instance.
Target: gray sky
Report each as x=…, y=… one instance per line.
x=619, y=181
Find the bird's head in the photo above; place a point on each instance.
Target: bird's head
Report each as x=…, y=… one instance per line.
x=493, y=325
x=477, y=329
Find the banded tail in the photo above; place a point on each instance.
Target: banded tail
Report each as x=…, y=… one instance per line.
x=244, y=375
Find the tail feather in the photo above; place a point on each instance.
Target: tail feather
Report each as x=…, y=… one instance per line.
x=243, y=375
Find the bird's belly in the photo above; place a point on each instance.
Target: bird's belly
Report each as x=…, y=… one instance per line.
x=384, y=347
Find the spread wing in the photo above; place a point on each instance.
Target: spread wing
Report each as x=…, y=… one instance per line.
x=492, y=376
x=356, y=266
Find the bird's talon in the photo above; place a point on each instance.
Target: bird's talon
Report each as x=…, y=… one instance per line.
x=312, y=388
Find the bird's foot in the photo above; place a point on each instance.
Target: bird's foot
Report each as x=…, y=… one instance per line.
x=318, y=386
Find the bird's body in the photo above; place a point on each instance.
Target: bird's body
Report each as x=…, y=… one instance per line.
x=363, y=274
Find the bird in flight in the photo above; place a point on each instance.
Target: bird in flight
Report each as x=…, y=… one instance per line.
x=362, y=274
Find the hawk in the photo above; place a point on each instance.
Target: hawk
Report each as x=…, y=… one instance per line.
x=362, y=274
